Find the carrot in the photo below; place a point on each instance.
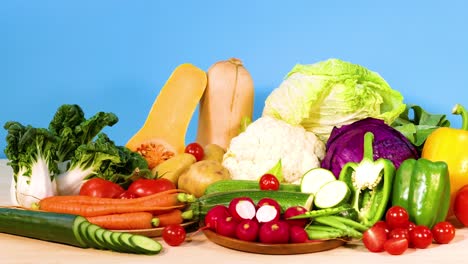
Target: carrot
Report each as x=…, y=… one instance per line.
x=102, y=209
x=125, y=221
x=158, y=200
x=175, y=216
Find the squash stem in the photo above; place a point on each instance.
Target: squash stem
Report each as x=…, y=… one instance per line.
x=458, y=109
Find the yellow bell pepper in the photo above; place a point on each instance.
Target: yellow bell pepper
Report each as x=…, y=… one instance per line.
x=451, y=145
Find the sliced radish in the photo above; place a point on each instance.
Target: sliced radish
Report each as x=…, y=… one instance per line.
x=267, y=213
x=242, y=208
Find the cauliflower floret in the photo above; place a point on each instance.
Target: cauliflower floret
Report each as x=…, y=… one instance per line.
x=266, y=141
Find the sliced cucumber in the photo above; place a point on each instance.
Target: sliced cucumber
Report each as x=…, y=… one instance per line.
x=145, y=245
x=91, y=232
x=314, y=179
x=332, y=194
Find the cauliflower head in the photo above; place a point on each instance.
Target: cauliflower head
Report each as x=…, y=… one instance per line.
x=266, y=141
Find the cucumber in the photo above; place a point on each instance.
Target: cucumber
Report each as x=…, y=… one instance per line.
x=332, y=194
x=72, y=230
x=239, y=185
x=314, y=179
x=53, y=227
x=286, y=199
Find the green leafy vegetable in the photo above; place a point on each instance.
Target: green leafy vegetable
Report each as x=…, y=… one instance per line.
x=332, y=93
x=417, y=127
x=59, y=159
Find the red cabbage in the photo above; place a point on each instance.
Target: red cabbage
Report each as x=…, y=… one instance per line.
x=346, y=143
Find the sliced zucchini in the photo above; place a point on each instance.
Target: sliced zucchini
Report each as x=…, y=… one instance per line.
x=314, y=179
x=332, y=194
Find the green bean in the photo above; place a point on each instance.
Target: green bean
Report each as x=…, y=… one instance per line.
x=320, y=212
x=349, y=231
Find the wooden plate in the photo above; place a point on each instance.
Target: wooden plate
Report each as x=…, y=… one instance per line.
x=273, y=249
x=151, y=232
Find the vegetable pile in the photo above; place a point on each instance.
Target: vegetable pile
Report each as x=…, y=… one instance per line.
x=336, y=154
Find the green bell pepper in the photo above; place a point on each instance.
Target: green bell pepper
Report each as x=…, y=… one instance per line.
x=370, y=182
x=422, y=187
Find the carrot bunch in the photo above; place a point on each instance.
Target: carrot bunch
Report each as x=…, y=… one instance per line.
x=155, y=210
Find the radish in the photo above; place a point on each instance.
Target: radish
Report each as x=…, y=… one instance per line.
x=242, y=208
x=247, y=230
x=274, y=232
x=297, y=234
x=268, y=210
x=227, y=226
x=214, y=215
x=293, y=211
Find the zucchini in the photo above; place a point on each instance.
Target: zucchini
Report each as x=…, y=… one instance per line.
x=332, y=194
x=242, y=185
x=286, y=199
x=314, y=179
x=71, y=230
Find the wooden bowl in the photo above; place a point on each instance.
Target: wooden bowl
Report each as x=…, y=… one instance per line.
x=273, y=249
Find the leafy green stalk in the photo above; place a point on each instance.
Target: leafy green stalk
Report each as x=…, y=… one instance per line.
x=29, y=151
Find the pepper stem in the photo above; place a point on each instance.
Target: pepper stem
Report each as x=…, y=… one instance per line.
x=368, y=146
x=458, y=109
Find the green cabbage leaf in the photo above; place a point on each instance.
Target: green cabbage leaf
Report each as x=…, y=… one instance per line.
x=332, y=93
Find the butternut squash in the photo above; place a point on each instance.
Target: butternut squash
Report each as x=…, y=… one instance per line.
x=164, y=131
x=228, y=98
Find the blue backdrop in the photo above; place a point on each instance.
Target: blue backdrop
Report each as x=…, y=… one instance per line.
x=115, y=55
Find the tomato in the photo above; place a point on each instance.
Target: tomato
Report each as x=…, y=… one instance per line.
x=396, y=246
x=460, y=206
x=143, y=187
x=98, y=187
x=196, y=150
x=420, y=236
x=374, y=238
x=399, y=233
x=384, y=225
x=443, y=232
x=269, y=182
x=397, y=217
x=174, y=235
x=127, y=195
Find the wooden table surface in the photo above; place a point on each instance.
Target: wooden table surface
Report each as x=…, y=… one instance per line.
x=15, y=249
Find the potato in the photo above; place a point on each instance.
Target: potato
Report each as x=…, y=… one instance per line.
x=172, y=168
x=201, y=174
x=214, y=152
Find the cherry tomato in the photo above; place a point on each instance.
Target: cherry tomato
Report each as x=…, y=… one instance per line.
x=460, y=206
x=443, y=232
x=411, y=225
x=384, y=225
x=397, y=216
x=399, y=233
x=396, y=246
x=174, y=235
x=98, y=187
x=420, y=236
x=143, y=187
x=374, y=238
x=196, y=150
x=269, y=182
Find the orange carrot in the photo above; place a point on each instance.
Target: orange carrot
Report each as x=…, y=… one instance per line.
x=157, y=201
x=102, y=209
x=175, y=216
x=125, y=221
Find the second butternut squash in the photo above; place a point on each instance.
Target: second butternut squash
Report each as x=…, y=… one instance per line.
x=229, y=97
